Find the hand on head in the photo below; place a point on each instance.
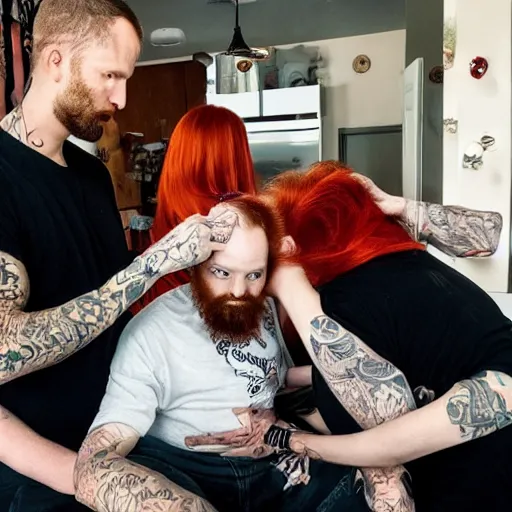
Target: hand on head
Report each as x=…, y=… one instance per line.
x=390, y=205
x=221, y=219
x=191, y=242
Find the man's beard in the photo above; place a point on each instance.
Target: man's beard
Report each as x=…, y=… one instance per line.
x=226, y=317
x=75, y=110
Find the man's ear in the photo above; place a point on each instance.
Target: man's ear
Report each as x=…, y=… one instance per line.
x=288, y=245
x=52, y=59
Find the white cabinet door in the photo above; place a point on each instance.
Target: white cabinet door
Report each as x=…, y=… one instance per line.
x=412, y=130
x=244, y=104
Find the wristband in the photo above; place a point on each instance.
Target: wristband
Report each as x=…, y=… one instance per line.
x=278, y=437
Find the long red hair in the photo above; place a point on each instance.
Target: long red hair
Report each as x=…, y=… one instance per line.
x=208, y=156
x=334, y=221
x=336, y=226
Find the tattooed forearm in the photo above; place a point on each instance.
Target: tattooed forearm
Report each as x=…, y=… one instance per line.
x=31, y=341
x=370, y=388
x=107, y=482
x=456, y=231
x=481, y=405
x=372, y=391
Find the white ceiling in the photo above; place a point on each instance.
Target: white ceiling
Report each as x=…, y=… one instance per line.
x=209, y=27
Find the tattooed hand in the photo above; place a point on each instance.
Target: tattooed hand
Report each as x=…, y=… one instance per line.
x=247, y=441
x=191, y=242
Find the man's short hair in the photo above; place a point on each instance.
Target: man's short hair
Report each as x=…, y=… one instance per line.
x=78, y=22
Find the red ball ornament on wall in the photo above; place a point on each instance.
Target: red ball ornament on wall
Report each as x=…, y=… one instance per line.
x=478, y=67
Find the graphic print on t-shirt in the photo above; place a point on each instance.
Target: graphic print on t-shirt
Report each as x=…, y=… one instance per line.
x=248, y=360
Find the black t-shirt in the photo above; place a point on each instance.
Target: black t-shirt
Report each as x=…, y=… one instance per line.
x=63, y=224
x=438, y=327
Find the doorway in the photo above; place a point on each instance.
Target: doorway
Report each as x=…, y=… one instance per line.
x=375, y=152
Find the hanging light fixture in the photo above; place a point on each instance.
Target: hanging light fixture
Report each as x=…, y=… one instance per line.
x=239, y=48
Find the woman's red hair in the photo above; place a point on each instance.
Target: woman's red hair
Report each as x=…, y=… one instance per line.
x=208, y=157
x=334, y=221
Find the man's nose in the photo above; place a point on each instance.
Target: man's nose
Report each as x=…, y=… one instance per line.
x=239, y=288
x=118, y=96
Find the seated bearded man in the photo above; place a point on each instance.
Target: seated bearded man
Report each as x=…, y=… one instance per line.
x=203, y=358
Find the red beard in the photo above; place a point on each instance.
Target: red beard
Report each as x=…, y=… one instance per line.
x=227, y=317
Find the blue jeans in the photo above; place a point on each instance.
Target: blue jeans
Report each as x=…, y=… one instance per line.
x=229, y=484
x=248, y=485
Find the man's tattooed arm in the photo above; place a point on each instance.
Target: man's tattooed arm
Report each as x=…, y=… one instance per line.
x=31, y=341
x=107, y=482
x=454, y=230
x=473, y=408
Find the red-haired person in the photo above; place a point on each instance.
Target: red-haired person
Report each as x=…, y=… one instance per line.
x=208, y=157
x=403, y=347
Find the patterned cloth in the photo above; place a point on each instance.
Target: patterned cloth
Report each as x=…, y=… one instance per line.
x=17, y=22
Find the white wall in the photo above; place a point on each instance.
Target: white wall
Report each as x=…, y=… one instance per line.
x=481, y=107
x=351, y=100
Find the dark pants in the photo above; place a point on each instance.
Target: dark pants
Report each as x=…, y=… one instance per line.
x=229, y=484
x=248, y=485
x=20, y=494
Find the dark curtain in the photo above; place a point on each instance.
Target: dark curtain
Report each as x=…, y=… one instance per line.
x=17, y=21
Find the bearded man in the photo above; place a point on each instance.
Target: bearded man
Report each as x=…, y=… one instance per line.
x=67, y=279
x=202, y=358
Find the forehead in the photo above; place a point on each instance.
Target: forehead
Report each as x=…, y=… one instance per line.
x=119, y=50
x=247, y=250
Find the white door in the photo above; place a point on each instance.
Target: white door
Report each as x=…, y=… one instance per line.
x=412, y=130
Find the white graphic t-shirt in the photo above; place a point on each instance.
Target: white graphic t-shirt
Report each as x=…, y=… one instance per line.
x=170, y=380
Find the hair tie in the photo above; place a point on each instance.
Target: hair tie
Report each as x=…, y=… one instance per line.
x=228, y=196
